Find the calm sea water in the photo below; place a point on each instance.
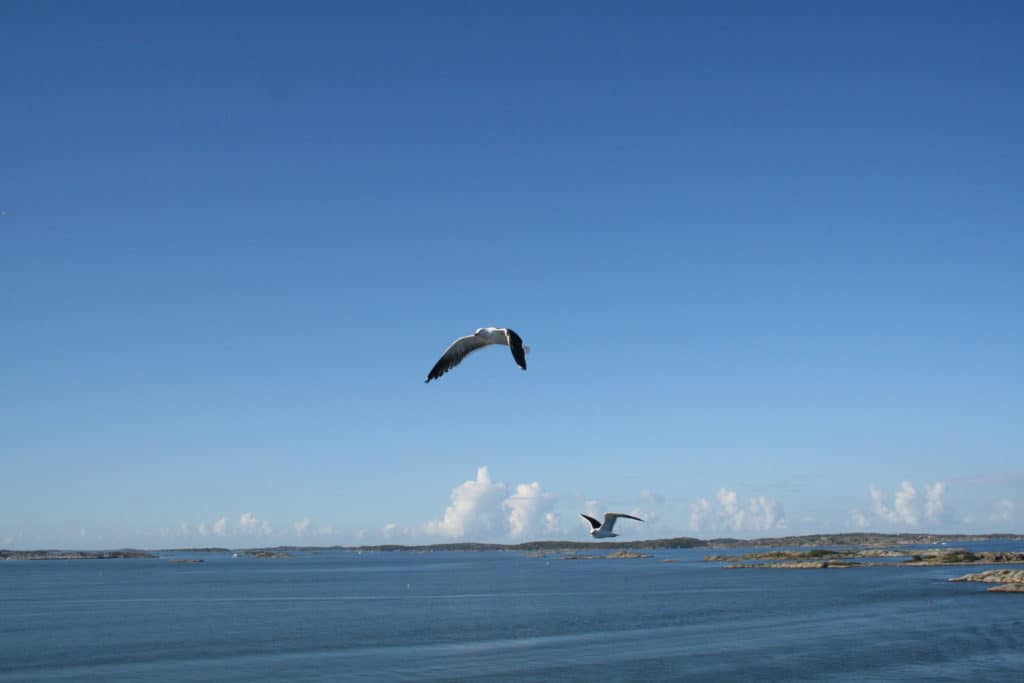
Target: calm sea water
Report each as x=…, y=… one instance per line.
x=497, y=616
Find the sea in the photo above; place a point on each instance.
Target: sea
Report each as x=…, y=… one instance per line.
x=499, y=616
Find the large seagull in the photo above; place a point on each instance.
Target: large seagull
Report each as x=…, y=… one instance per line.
x=599, y=530
x=485, y=336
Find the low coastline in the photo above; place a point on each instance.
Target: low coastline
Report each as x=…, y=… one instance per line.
x=826, y=559
x=75, y=554
x=861, y=546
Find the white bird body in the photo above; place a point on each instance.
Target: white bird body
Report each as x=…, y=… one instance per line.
x=484, y=336
x=493, y=335
x=604, y=529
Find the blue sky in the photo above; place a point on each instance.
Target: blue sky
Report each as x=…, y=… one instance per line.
x=768, y=259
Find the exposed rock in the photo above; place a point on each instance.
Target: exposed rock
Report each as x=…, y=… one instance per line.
x=803, y=559
x=1007, y=588
x=826, y=564
x=265, y=554
x=995, y=576
x=958, y=556
x=621, y=555
x=816, y=554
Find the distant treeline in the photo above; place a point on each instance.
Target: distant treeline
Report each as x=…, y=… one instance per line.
x=681, y=542
x=74, y=554
x=812, y=540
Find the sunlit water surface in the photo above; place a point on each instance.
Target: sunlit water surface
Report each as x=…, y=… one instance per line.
x=498, y=616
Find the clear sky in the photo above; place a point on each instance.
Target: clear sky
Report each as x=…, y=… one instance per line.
x=768, y=257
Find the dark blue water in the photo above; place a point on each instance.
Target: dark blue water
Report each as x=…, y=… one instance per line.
x=497, y=616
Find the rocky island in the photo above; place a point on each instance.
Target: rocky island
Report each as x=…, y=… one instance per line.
x=1008, y=580
x=265, y=554
x=821, y=558
x=621, y=555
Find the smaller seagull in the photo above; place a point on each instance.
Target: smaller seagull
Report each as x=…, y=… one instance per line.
x=599, y=530
x=485, y=336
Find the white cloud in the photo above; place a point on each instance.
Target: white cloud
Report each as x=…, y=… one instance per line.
x=250, y=525
x=475, y=508
x=652, y=512
x=700, y=513
x=483, y=509
x=765, y=514
x=1005, y=511
x=218, y=528
x=530, y=511
x=933, y=499
x=906, y=509
x=859, y=519
x=728, y=514
x=303, y=526
x=904, y=503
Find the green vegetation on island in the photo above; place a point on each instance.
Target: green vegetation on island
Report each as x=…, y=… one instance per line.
x=862, y=545
x=265, y=554
x=680, y=542
x=74, y=554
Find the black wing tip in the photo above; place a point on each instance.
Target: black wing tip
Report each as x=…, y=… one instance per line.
x=515, y=345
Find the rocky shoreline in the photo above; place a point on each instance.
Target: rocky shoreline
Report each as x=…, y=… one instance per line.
x=621, y=555
x=1008, y=580
x=826, y=559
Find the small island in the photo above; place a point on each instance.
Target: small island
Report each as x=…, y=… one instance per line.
x=265, y=554
x=1007, y=580
x=621, y=555
x=821, y=558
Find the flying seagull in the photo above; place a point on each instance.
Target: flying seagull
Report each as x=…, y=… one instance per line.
x=485, y=336
x=599, y=530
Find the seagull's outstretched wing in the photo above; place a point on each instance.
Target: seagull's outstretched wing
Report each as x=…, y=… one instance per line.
x=610, y=517
x=460, y=348
x=593, y=522
x=515, y=342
